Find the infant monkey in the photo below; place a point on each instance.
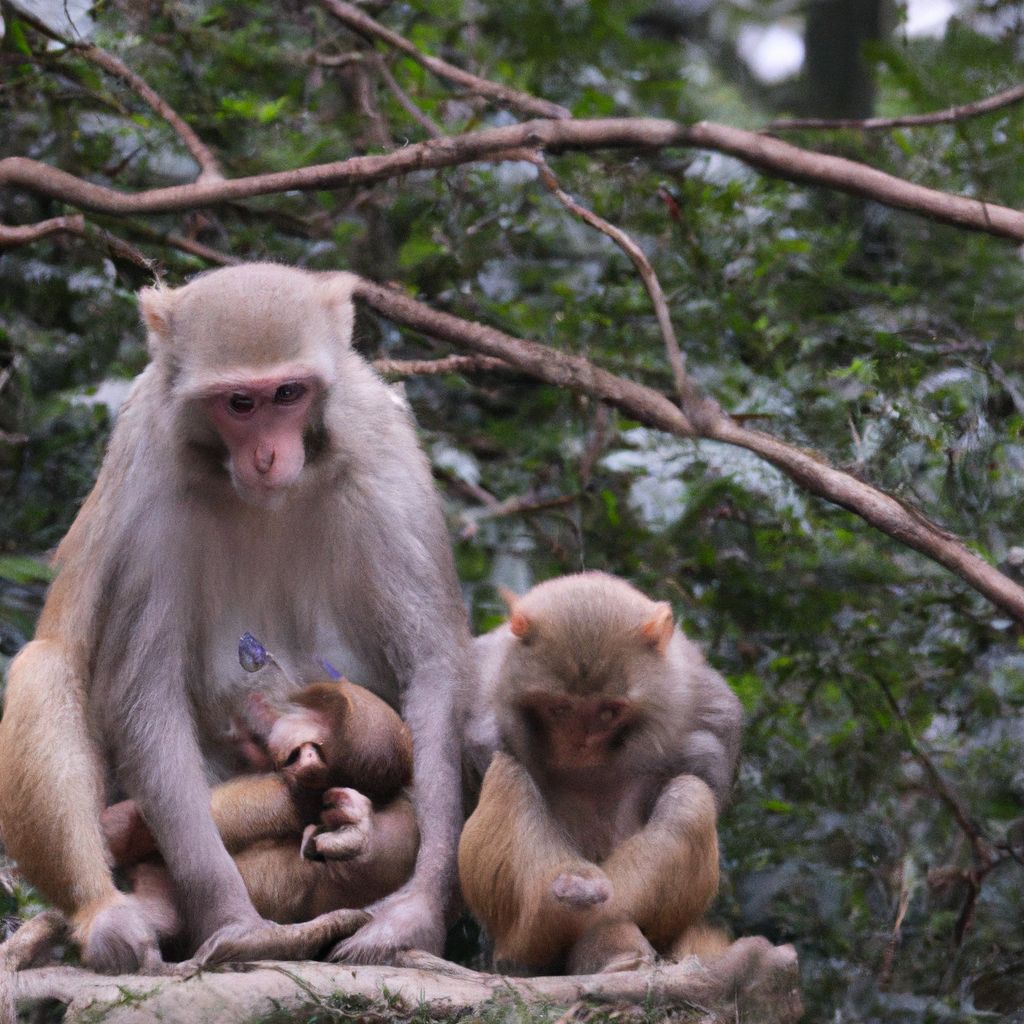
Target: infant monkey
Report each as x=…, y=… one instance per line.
x=329, y=827
x=594, y=844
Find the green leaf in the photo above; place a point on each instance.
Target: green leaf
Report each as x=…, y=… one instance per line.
x=22, y=569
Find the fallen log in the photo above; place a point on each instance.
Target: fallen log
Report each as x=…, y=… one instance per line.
x=753, y=980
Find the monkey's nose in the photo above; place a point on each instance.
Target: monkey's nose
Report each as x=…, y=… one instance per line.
x=263, y=459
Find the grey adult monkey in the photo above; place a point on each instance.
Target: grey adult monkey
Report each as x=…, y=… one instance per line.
x=259, y=477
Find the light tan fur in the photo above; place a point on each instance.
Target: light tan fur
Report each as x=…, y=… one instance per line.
x=133, y=675
x=597, y=868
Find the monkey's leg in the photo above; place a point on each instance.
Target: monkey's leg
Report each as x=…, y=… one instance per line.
x=528, y=886
x=666, y=875
x=49, y=764
x=249, y=808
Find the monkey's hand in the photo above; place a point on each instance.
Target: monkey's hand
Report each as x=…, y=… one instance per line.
x=347, y=819
x=127, y=834
x=407, y=919
x=270, y=941
x=583, y=888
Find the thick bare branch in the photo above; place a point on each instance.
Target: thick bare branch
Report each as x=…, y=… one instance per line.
x=950, y=115
x=362, y=23
x=807, y=469
x=434, y=367
x=761, y=151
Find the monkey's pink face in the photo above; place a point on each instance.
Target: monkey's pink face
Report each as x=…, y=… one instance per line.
x=262, y=423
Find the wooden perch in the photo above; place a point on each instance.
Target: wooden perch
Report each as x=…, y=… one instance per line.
x=752, y=981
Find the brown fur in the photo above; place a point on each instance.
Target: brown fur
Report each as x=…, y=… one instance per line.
x=262, y=818
x=174, y=555
x=601, y=863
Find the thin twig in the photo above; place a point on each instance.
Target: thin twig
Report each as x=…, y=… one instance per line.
x=209, y=167
x=406, y=102
x=519, y=505
x=366, y=26
x=873, y=124
x=12, y=236
x=694, y=403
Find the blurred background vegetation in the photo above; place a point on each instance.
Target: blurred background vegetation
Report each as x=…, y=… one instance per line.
x=880, y=691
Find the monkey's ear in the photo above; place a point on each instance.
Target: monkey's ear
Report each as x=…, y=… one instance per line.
x=658, y=629
x=518, y=621
x=155, y=304
x=338, y=289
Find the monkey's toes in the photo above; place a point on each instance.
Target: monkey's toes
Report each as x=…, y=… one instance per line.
x=303, y=941
x=579, y=892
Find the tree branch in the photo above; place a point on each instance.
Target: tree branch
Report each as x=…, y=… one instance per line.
x=209, y=167
x=11, y=236
x=491, y=144
x=808, y=469
x=873, y=124
x=696, y=406
x=435, y=367
x=360, y=22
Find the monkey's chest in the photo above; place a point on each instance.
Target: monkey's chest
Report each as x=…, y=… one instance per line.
x=598, y=818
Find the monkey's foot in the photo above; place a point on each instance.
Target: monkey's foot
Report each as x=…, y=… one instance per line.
x=581, y=892
x=610, y=946
x=269, y=941
x=116, y=937
x=345, y=830
x=404, y=920
x=345, y=843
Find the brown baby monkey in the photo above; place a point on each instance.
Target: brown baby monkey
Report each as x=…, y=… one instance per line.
x=594, y=845
x=328, y=826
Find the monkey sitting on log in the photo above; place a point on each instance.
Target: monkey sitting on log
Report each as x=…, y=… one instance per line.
x=594, y=846
x=329, y=827
x=259, y=475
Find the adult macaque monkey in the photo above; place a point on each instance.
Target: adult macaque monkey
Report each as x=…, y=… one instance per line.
x=594, y=843
x=260, y=476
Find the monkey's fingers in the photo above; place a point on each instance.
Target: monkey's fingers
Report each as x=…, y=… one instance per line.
x=303, y=941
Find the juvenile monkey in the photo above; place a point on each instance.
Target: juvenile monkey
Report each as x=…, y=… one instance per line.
x=594, y=845
x=260, y=476
x=342, y=759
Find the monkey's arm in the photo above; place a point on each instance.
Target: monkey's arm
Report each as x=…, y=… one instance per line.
x=249, y=808
x=666, y=874
x=521, y=877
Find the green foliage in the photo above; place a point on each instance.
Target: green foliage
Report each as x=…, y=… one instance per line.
x=888, y=343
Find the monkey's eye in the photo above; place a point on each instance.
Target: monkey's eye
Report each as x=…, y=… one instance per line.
x=287, y=394
x=241, y=404
x=608, y=713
